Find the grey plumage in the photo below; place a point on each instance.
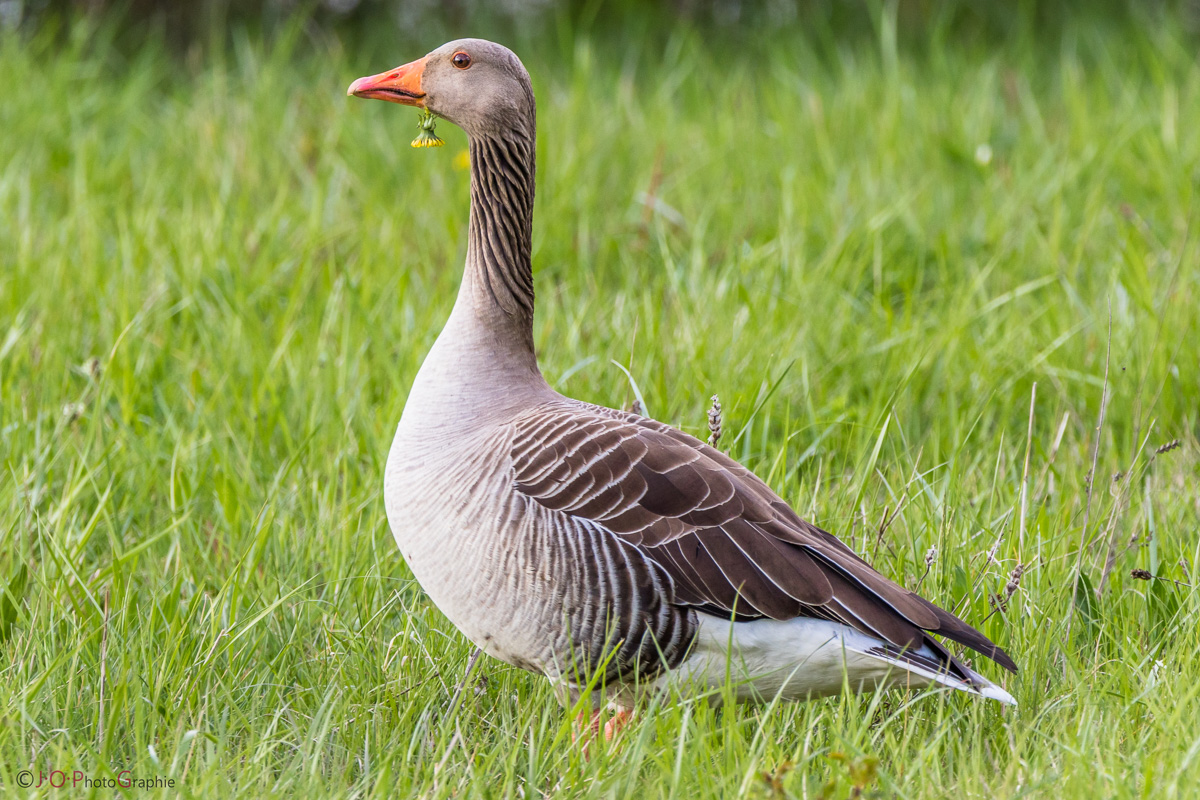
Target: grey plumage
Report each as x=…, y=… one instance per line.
x=569, y=538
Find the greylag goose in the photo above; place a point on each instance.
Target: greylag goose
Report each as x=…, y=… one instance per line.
x=597, y=547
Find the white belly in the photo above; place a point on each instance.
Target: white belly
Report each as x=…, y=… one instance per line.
x=446, y=521
x=794, y=660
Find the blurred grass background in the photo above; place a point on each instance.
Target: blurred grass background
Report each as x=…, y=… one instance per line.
x=871, y=228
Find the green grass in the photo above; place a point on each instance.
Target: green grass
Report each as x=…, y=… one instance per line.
x=218, y=277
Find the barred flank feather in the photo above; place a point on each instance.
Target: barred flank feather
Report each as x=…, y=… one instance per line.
x=729, y=543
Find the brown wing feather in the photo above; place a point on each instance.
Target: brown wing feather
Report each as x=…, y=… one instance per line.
x=729, y=543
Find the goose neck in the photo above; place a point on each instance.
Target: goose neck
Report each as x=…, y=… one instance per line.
x=499, y=272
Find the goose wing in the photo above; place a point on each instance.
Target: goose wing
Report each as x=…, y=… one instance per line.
x=731, y=545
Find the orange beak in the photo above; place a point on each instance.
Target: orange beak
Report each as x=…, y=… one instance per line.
x=400, y=85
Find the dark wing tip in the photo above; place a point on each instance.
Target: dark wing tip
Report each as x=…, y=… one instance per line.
x=1003, y=659
x=956, y=630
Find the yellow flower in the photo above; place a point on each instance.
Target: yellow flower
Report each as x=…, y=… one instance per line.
x=462, y=160
x=427, y=139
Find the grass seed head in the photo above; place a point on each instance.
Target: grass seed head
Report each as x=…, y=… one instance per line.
x=714, y=421
x=1014, y=580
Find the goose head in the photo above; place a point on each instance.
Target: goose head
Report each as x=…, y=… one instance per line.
x=478, y=85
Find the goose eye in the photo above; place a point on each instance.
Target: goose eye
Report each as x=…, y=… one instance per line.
x=461, y=60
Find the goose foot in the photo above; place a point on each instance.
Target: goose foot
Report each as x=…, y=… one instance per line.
x=613, y=728
x=589, y=726
x=586, y=727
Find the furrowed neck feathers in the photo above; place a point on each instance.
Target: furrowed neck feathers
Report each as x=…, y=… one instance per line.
x=499, y=270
